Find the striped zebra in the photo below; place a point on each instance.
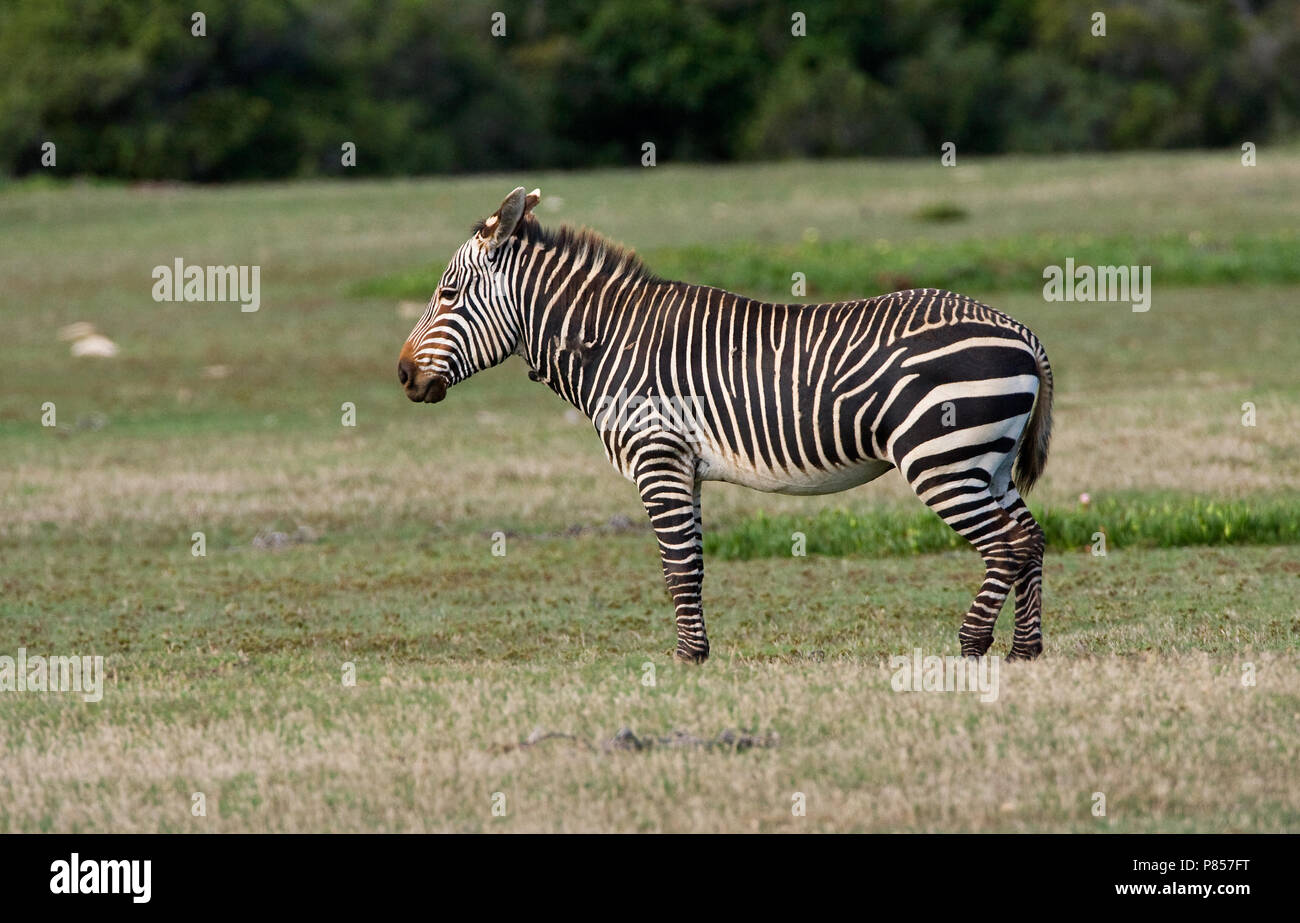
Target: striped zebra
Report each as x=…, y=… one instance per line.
x=687, y=383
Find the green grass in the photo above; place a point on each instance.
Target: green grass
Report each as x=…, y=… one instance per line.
x=226, y=678
x=225, y=671
x=1132, y=521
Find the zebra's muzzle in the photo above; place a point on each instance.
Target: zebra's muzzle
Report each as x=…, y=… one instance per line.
x=420, y=385
x=435, y=390
x=428, y=390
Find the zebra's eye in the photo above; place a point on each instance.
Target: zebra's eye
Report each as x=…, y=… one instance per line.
x=449, y=294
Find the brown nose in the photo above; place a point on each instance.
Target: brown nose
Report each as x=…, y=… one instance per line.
x=405, y=370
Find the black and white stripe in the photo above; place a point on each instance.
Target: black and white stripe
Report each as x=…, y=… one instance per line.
x=803, y=399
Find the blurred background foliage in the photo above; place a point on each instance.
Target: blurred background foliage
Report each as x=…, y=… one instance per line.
x=276, y=86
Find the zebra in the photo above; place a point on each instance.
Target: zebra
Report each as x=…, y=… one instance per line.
x=788, y=398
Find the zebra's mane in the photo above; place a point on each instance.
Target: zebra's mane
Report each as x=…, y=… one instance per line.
x=587, y=246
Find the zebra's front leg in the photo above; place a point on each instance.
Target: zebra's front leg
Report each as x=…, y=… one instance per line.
x=671, y=495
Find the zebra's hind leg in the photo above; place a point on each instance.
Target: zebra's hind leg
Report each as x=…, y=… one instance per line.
x=672, y=500
x=971, y=510
x=1028, y=641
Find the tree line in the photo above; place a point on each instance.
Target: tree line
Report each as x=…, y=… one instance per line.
x=276, y=88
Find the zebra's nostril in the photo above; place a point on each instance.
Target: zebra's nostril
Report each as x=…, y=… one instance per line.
x=405, y=370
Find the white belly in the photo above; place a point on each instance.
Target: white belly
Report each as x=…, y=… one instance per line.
x=716, y=468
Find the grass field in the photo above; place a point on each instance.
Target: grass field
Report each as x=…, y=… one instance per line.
x=1171, y=678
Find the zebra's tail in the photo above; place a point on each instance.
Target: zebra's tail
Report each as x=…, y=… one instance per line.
x=1032, y=457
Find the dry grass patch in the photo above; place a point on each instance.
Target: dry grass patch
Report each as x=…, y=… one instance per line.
x=1174, y=742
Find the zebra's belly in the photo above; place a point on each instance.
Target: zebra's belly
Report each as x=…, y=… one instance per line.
x=713, y=467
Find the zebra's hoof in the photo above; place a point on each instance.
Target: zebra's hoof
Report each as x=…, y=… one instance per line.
x=976, y=647
x=690, y=655
x=1026, y=651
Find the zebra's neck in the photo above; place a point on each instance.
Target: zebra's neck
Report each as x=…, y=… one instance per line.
x=583, y=298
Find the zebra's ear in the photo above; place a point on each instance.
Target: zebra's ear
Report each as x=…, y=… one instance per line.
x=501, y=224
x=531, y=200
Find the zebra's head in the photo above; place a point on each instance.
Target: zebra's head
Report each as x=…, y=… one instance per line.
x=472, y=321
